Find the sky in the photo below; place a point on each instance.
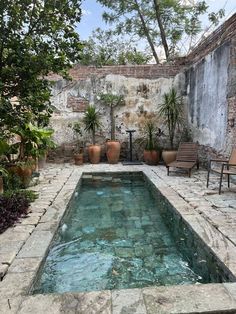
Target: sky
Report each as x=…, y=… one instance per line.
x=92, y=14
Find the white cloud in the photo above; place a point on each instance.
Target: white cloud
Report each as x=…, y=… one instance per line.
x=86, y=12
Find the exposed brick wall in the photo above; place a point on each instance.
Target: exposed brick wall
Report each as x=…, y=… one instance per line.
x=149, y=71
x=222, y=34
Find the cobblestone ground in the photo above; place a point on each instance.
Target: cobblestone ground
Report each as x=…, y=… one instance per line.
x=23, y=246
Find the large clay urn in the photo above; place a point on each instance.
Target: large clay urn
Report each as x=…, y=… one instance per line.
x=94, y=153
x=168, y=156
x=113, y=151
x=151, y=157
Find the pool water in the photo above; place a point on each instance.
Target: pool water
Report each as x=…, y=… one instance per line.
x=112, y=237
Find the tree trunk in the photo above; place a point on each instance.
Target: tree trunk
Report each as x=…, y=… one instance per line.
x=112, y=123
x=146, y=31
x=162, y=31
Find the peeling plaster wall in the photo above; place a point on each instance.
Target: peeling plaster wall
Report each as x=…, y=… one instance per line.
x=142, y=97
x=207, y=98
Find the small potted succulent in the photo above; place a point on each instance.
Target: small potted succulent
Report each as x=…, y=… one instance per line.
x=92, y=123
x=78, y=155
x=112, y=145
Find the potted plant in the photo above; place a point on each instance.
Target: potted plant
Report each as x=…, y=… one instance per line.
x=171, y=110
x=78, y=154
x=112, y=146
x=151, y=154
x=34, y=144
x=92, y=123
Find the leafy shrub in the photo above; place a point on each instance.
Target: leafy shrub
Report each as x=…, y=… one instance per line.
x=11, y=208
x=29, y=194
x=12, y=182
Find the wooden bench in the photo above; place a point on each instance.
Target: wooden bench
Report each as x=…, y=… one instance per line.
x=186, y=158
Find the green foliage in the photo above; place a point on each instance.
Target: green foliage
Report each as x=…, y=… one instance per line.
x=105, y=48
x=30, y=195
x=171, y=110
x=76, y=128
x=163, y=22
x=91, y=121
x=35, y=141
x=12, y=182
x=36, y=38
x=150, y=129
x=3, y=172
x=112, y=101
x=149, y=135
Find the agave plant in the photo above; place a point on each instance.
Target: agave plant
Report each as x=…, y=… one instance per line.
x=92, y=121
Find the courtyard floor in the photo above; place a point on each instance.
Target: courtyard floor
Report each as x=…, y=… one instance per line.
x=23, y=247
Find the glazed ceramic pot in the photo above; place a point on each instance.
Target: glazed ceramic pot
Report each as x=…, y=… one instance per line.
x=113, y=151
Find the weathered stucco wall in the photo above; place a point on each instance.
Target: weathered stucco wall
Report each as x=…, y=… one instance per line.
x=207, y=82
x=142, y=97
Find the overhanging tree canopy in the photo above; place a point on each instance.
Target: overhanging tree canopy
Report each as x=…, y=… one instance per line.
x=36, y=37
x=160, y=22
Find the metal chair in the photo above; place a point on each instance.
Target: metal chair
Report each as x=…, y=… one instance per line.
x=228, y=167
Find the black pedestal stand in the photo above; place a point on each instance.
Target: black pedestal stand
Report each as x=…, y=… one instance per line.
x=130, y=161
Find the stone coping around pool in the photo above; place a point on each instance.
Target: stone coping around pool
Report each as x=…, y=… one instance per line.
x=24, y=246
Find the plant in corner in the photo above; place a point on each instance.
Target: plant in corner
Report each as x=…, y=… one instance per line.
x=171, y=111
x=112, y=146
x=92, y=123
x=151, y=153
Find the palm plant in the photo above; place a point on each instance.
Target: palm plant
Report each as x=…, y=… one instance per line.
x=91, y=121
x=150, y=130
x=171, y=110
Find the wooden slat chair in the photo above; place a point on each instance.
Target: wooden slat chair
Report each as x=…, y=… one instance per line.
x=186, y=158
x=228, y=167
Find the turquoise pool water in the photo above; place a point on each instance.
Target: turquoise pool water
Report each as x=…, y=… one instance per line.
x=113, y=236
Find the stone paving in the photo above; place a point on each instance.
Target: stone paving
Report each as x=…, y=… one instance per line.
x=211, y=216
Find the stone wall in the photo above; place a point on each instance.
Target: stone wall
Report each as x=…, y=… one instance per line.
x=211, y=91
x=206, y=78
x=142, y=96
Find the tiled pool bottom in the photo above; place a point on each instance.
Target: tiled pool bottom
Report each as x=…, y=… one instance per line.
x=115, y=236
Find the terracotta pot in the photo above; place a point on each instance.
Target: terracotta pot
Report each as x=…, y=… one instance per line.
x=151, y=157
x=13, y=169
x=1, y=185
x=113, y=151
x=25, y=174
x=79, y=159
x=169, y=156
x=94, y=152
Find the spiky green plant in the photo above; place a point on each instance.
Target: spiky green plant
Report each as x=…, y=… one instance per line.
x=92, y=121
x=171, y=110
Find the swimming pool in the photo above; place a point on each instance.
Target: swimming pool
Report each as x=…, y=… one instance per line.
x=120, y=232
